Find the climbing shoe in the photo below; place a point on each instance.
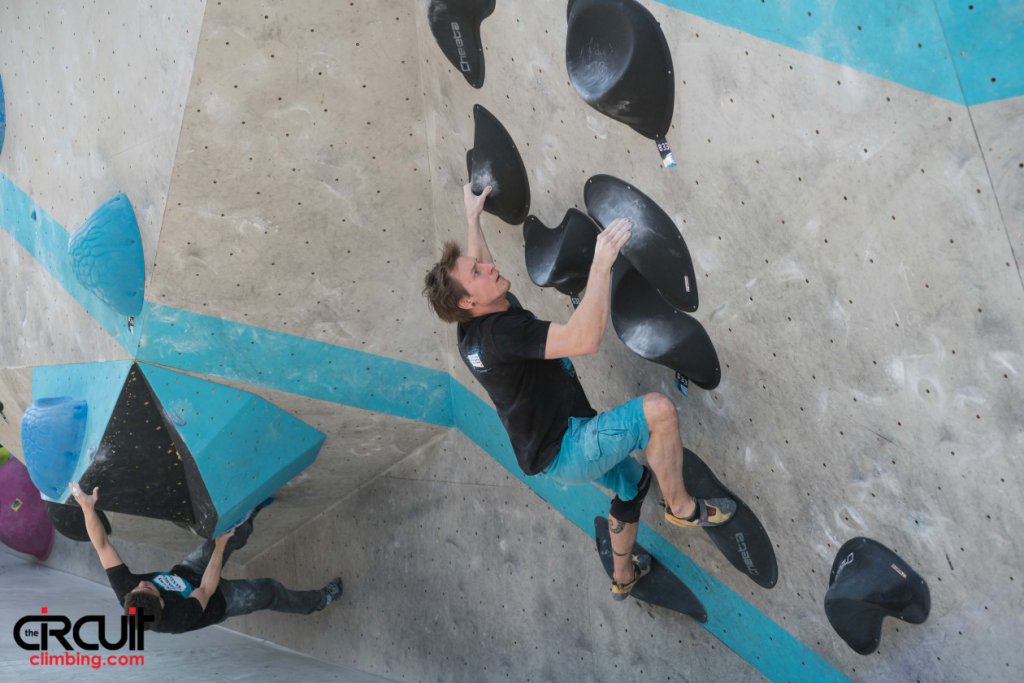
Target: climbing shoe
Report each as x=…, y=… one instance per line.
x=641, y=567
x=710, y=512
x=330, y=592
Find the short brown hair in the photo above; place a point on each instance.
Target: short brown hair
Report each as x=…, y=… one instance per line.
x=443, y=291
x=144, y=603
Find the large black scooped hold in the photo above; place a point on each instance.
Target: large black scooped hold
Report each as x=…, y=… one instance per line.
x=654, y=330
x=619, y=63
x=69, y=520
x=870, y=582
x=660, y=587
x=495, y=161
x=560, y=257
x=456, y=27
x=655, y=248
x=743, y=539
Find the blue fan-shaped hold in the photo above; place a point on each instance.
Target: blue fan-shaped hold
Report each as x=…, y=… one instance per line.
x=51, y=436
x=106, y=256
x=3, y=115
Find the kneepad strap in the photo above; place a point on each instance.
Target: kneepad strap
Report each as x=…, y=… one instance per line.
x=629, y=510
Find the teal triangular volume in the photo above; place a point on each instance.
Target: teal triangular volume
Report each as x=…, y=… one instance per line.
x=239, y=449
x=99, y=385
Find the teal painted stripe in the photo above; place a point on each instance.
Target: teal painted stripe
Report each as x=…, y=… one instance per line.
x=47, y=241
x=742, y=627
x=262, y=357
x=904, y=41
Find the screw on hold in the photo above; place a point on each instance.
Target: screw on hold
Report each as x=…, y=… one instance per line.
x=682, y=384
x=131, y=324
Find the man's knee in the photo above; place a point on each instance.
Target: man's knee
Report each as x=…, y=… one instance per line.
x=660, y=411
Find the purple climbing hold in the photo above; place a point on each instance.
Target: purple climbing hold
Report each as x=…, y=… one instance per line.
x=24, y=525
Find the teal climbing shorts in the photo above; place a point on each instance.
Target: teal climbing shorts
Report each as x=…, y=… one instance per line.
x=598, y=449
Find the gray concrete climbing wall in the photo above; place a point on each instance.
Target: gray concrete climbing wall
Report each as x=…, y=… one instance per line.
x=301, y=177
x=295, y=167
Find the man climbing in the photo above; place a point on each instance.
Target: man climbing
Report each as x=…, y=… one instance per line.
x=192, y=594
x=523, y=364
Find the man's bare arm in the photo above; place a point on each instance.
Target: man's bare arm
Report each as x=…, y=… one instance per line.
x=211, y=577
x=97, y=534
x=582, y=334
x=476, y=244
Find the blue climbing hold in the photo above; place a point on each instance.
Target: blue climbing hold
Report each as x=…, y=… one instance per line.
x=106, y=256
x=51, y=436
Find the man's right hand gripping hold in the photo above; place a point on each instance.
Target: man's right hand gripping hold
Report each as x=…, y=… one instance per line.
x=523, y=364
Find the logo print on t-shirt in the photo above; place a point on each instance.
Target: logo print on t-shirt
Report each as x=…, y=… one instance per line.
x=474, y=360
x=172, y=583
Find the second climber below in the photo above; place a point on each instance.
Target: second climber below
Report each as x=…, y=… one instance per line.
x=523, y=364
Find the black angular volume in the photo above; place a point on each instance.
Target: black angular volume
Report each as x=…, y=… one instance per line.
x=137, y=466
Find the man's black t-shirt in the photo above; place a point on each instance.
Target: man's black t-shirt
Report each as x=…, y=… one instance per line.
x=535, y=397
x=181, y=613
